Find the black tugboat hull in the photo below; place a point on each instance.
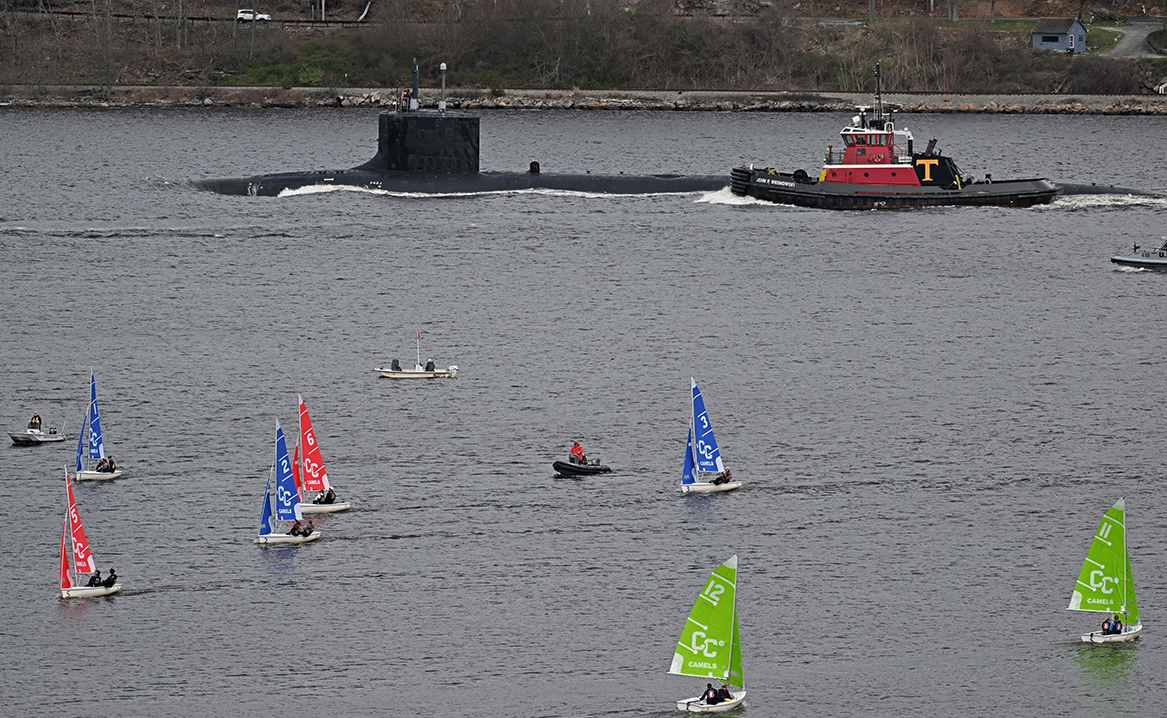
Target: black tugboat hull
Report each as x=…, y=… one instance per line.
x=272, y=185
x=783, y=188
x=565, y=468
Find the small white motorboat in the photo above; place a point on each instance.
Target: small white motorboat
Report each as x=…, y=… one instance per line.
x=32, y=437
x=429, y=371
x=418, y=372
x=1146, y=259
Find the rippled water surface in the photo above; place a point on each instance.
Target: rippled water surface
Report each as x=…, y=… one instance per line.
x=930, y=409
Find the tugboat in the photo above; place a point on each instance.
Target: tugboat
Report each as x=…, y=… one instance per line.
x=877, y=167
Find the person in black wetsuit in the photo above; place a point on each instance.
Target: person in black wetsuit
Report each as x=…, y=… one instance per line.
x=111, y=579
x=710, y=695
x=94, y=580
x=395, y=366
x=723, y=692
x=1116, y=625
x=429, y=365
x=296, y=529
x=330, y=497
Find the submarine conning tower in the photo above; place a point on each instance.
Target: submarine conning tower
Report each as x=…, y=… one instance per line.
x=426, y=141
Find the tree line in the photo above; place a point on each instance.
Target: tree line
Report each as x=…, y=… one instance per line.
x=587, y=44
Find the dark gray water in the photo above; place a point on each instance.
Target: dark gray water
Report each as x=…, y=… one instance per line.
x=931, y=411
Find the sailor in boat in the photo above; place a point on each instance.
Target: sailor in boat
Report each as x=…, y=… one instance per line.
x=325, y=497
x=296, y=529
x=111, y=579
x=723, y=692
x=95, y=580
x=576, y=455
x=35, y=422
x=103, y=465
x=395, y=366
x=429, y=365
x=723, y=478
x=710, y=695
x=1115, y=626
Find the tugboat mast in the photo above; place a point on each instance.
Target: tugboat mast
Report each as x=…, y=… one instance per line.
x=879, y=119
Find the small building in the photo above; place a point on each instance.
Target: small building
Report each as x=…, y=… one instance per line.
x=1059, y=35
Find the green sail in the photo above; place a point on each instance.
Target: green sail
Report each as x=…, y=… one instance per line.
x=1105, y=583
x=708, y=646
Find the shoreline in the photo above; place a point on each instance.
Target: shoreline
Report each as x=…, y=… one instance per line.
x=138, y=96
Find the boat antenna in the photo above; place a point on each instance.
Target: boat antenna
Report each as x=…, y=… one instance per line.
x=878, y=96
x=413, y=104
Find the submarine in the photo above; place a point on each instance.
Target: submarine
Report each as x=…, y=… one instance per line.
x=436, y=152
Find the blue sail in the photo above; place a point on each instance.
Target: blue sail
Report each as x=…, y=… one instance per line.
x=81, y=446
x=266, y=523
x=708, y=455
x=689, y=473
x=287, y=498
x=96, y=448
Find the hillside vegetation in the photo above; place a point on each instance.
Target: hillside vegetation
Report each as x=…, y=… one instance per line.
x=589, y=44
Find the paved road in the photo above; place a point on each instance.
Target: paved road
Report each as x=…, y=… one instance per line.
x=1134, y=39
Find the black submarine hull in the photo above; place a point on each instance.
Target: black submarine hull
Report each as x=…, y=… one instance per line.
x=272, y=185
x=436, y=153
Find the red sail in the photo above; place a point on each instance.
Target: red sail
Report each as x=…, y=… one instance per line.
x=65, y=582
x=296, y=471
x=82, y=558
x=315, y=477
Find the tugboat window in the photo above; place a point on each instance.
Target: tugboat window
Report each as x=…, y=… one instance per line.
x=860, y=140
x=849, y=140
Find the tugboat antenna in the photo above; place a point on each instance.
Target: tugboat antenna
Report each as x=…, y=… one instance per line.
x=878, y=98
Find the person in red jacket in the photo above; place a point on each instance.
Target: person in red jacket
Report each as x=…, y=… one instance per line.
x=577, y=454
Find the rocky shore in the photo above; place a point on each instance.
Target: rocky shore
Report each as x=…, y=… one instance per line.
x=473, y=99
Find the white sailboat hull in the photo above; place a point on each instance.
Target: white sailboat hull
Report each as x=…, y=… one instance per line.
x=287, y=538
x=96, y=475
x=324, y=508
x=704, y=487
x=697, y=704
x=89, y=591
x=1129, y=633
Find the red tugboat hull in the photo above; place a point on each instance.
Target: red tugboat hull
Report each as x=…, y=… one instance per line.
x=784, y=188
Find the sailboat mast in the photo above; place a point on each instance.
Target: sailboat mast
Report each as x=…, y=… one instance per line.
x=418, y=347
x=1126, y=560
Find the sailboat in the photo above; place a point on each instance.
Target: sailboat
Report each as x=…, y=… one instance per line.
x=702, y=454
x=73, y=534
x=313, y=471
x=1105, y=583
x=709, y=645
x=429, y=371
x=87, y=470
x=287, y=499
